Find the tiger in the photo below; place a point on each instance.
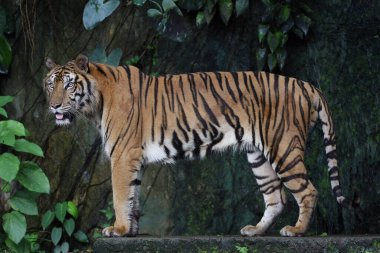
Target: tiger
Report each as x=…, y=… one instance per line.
x=147, y=119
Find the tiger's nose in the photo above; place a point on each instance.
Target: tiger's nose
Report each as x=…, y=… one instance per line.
x=55, y=106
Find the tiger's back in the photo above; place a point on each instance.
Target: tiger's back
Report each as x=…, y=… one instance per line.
x=190, y=115
x=145, y=119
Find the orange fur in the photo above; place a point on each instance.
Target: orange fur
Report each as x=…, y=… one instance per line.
x=146, y=119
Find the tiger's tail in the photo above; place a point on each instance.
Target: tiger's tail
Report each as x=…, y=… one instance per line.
x=329, y=141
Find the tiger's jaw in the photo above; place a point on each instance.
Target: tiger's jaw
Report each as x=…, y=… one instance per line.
x=65, y=118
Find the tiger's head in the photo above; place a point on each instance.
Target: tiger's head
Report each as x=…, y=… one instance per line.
x=70, y=89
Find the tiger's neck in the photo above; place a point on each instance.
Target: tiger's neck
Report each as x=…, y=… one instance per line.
x=118, y=99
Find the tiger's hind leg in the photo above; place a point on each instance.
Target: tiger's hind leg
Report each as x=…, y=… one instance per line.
x=272, y=190
x=294, y=177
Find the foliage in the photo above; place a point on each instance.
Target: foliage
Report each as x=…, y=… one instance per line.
x=280, y=18
x=99, y=55
x=5, y=48
x=241, y=249
x=205, y=10
x=61, y=222
x=28, y=175
x=109, y=215
x=96, y=11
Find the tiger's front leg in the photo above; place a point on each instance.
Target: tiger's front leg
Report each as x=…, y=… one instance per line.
x=126, y=181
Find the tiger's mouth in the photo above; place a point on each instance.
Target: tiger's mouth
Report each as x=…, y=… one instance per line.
x=64, y=118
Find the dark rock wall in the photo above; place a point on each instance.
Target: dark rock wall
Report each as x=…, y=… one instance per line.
x=218, y=195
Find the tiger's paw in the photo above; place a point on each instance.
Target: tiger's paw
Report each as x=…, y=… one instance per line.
x=250, y=230
x=292, y=231
x=113, y=231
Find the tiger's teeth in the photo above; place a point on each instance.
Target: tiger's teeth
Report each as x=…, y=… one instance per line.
x=59, y=116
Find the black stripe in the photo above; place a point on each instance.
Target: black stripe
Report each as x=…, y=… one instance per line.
x=111, y=71
x=197, y=143
x=258, y=163
x=199, y=117
x=213, y=143
x=183, y=131
x=302, y=188
x=193, y=88
x=177, y=144
x=99, y=69
x=331, y=142
x=155, y=96
x=230, y=90
x=294, y=176
x=291, y=165
x=337, y=191
x=331, y=154
x=209, y=111
x=135, y=182
x=333, y=170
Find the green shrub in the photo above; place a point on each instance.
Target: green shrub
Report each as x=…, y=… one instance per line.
x=22, y=180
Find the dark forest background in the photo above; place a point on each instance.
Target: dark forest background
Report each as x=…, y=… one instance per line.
x=218, y=195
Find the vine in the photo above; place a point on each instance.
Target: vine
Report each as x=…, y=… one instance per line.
x=279, y=19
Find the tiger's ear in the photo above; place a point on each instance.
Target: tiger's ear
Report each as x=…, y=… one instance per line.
x=50, y=63
x=82, y=62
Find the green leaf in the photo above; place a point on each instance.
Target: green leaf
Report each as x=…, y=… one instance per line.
x=56, y=235
x=139, y=2
x=22, y=145
x=5, y=100
x=114, y=57
x=5, y=55
x=6, y=187
x=241, y=6
x=57, y=249
x=96, y=11
x=288, y=25
x=303, y=22
x=72, y=209
x=262, y=31
x=281, y=56
x=283, y=15
x=200, y=19
x=9, y=166
x=168, y=5
x=209, y=15
x=65, y=247
x=33, y=178
x=210, y=5
x=14, y=224
x=60, y=211
x=47, y=219
x=24, y=201
x=274, y=40
x=22, y=247
x=80, y=236
x=69, y=226
x=3, y=112
x=8, y=130
x=261, y=54
x=272, y=61
x=153, y=13
x=225, y=10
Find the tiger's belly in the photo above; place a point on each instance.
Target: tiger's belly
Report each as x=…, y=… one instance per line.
x=197, y=146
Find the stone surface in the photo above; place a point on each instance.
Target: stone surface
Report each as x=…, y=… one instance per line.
x=220, y=244
x=217, y=195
